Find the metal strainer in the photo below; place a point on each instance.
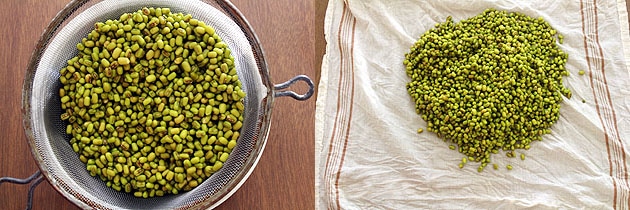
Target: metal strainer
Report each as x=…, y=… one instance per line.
x=45, y=131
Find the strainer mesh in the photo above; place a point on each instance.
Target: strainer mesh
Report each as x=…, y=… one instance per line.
x=46, y=132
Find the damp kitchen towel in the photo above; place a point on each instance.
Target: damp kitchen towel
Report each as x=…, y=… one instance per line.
x=369, y=155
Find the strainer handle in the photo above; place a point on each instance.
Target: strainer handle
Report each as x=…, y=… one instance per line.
x=37, y=177
x=287, y=84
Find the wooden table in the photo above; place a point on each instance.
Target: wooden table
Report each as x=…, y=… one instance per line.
x=284, y=177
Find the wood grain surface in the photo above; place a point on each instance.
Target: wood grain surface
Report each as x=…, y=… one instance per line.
x=284, y=177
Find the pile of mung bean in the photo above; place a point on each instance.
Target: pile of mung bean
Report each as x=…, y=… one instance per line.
x=153, y=102
x=488, y=83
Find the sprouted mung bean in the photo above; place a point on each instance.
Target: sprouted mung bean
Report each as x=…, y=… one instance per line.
x=488, y=83
x=153, y=102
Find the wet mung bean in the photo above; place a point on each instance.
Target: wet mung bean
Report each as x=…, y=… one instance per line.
x=152, y=101
x=489, y=83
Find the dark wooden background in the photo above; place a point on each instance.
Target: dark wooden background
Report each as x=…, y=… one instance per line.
x=284, y=177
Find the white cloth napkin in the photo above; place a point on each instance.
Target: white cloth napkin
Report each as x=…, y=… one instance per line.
x=369, y=155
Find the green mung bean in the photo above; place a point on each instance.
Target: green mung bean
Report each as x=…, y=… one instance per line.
x=141, y=102
x=488, y=83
